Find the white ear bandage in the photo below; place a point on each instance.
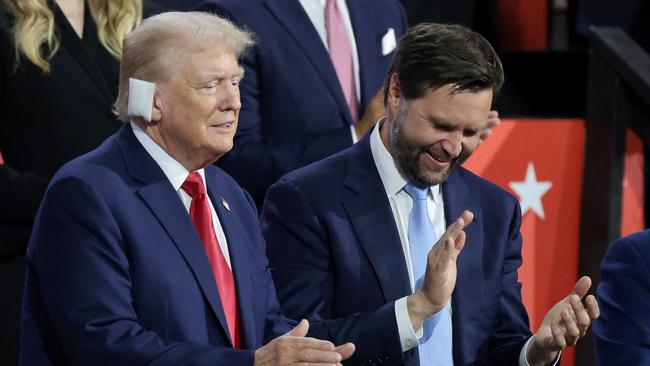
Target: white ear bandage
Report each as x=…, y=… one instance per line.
x=141, y=98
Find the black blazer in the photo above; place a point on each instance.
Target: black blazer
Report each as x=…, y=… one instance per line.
x=49, y=119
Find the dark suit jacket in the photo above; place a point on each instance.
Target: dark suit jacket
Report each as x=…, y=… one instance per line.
x=117, y=274
x=293, y=108
x=49, y=119
x=623, y=329
x=334, y=251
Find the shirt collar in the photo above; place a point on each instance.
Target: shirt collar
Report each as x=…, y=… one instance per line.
x=391, y=178
x=174, y=171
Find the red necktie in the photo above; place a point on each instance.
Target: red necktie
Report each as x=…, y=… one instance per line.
x=341, y=55
x=201, y=216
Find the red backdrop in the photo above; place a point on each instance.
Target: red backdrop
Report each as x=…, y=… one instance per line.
x=551, y=200
x=541, y=162
x=632, y=218
x=523, y=24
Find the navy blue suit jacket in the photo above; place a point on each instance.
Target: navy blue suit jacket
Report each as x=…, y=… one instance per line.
x=623, y=329
x=293, y=109
x=117, y=274
x=334, y=250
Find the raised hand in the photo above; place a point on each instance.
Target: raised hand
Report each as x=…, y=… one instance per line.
x=564, y=324
x=294, y=348
x=440, y=276
x=492, y=122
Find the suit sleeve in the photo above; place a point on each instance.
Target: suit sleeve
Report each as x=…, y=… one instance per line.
x=302, y=264
x=256, y=162
x=79, y=275
x=512, y=328
x=623, y=329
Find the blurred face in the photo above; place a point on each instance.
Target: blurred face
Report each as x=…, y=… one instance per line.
x=196, y=109
x=431, y=136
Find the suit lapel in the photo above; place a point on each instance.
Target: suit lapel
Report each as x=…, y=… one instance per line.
x=469, y=281
x=372, y=218
x=235, y=235
x=163, y=201
x=74, y=45
x=293, y=17
x=367, y=46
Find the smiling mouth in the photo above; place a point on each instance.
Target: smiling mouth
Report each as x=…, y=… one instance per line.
x=442, y=162
x=223, y=125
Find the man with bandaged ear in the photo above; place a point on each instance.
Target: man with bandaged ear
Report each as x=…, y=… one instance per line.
x=142, y=251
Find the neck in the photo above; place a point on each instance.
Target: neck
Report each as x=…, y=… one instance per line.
x=191, y=161
x=384, y=133
x=74, y=12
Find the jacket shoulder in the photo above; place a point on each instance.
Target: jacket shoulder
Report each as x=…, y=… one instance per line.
x=483, y=187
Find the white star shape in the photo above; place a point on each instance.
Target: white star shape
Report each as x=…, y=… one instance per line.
x=530, y=192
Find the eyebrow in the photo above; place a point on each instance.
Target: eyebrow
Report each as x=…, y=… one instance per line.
x=219, y=76
x=441, y=123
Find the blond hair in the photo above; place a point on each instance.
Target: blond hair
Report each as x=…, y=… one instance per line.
x=35, y=36
x=153, y=50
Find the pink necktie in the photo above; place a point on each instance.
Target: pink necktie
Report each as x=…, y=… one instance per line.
x=201, y=216
x=341, y=55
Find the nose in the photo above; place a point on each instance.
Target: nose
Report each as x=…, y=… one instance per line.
x=453, y=144
x=230, y=100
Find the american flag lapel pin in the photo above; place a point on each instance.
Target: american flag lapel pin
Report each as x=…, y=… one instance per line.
x=225, y=204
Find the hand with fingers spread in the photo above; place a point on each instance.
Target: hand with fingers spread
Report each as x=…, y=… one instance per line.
x=294, y=348
x=440, y=276
x=564, y=324
x=492, y=122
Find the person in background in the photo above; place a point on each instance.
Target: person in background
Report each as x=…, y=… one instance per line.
x=59, y=63
x=313, y=81
x=623, y=330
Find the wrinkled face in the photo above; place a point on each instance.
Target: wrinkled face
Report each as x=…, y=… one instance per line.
x=198, y=106
x=431, y=136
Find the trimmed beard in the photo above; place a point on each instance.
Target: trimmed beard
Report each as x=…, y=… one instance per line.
x=407, y=155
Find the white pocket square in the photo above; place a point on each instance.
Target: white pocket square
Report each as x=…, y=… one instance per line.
x=388, y=42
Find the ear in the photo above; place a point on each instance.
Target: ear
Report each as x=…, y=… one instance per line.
x=157, y=107
x=394, y=92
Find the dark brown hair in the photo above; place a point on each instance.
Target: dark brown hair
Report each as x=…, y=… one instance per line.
x=431, y=55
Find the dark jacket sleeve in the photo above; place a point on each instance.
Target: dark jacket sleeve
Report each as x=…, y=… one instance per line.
x=512, y=329
x=302, y=266
x=623, y=329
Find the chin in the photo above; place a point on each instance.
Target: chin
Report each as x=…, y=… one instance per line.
x=432, y=178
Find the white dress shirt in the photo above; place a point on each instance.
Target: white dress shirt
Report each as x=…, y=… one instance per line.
x=401, y=204
x=176, y=173
x=315, y=10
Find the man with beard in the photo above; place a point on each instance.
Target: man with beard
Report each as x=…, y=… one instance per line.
x=358, y=231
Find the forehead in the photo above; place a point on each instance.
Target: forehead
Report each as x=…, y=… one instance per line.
x=464, y=108
x=215, y=59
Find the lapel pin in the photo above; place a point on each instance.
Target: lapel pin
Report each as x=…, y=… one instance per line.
x=225, y=204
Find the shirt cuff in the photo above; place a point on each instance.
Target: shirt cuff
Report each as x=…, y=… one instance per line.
x=407, y=335
x=524, y=350
x=353, y=132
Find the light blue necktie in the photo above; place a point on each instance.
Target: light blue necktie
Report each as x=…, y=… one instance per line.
x=435, y=346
